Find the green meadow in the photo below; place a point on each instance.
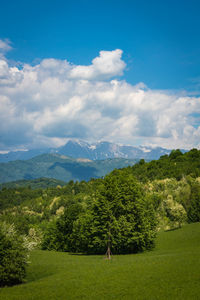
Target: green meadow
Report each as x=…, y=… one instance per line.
x=170, y=271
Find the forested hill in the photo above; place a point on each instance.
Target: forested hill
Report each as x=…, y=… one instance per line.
x=59, y=167
x=175, y=165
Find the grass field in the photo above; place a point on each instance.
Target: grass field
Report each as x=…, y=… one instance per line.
x=170, y=271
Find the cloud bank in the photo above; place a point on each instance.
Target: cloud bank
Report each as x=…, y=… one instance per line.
x=45, y=104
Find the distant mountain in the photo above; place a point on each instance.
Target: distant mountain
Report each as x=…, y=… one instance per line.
x=95, y=151
x=22, y=155
x=104, y=150
x=59, y=167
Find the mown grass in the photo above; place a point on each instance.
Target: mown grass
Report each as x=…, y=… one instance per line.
x=170, y=271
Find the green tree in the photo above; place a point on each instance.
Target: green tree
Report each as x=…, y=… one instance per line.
x=57, y=235
x=13, y=256
x=193, y=208
x=121, y=219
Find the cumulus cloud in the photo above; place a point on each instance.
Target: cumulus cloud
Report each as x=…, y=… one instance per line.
x=45, y=104
x=106, y=65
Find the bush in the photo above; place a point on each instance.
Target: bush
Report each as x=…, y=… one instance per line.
x=13, y=256
x=175, y=212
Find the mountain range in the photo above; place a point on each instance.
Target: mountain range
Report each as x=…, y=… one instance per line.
x=76, y=160
x=94, y=151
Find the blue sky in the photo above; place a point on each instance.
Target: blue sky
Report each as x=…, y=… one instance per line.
x=160, y=50
x=160, y=39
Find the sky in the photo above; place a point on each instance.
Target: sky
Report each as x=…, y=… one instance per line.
x=123, y=71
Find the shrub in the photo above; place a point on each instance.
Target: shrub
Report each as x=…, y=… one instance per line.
x=171, y=214
x=13, y=256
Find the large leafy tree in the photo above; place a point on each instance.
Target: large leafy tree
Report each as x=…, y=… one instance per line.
x=121, y=219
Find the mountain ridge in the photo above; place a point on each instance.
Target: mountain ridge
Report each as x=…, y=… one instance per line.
x=92, y=151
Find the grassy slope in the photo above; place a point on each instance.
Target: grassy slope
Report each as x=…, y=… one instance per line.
x=171, y=271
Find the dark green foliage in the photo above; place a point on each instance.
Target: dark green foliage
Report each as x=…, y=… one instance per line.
x=120, y=216
x=175, y=165
x=22, y=222
x=52, y=239
x=15, y=197
x=57, y=235
x=39, y=183
x=13, y=256
x=175, y=154
x=193, y=208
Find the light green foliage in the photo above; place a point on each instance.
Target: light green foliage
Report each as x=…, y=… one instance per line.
x=179, y=200
x=13, y=256
x=34, y=238
x=175, y=213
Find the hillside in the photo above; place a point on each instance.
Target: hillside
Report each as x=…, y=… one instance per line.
x=171, y=271
x=117, y=213
x=59, y=167
x=176, y=165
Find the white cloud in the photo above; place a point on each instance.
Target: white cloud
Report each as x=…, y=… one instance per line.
x=5, y=45
x=9, y=76
x=54, y=100
x=106, y=65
